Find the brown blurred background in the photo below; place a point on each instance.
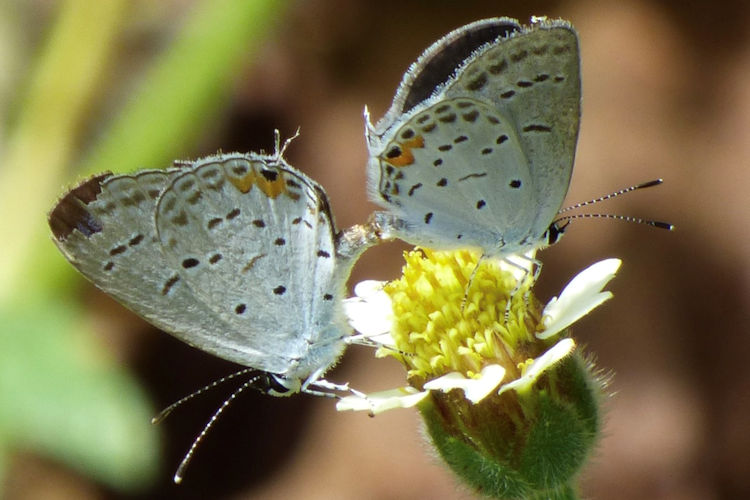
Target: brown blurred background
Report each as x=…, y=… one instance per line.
x=666, y=93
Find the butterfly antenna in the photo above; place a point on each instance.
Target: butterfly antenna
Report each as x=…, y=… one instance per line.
x=180, y=473
x=169, y=409
x=625, y=218
x=644, y=185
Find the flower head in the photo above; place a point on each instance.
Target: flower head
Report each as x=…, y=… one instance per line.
x=500, y=387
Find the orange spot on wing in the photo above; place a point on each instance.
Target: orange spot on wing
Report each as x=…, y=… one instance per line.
x=244, y=184
x=274, y=188
x=271, y=188
x=406, y=157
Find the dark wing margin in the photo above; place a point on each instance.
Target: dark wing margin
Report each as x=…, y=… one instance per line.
x=440, y=61
x=70, y=212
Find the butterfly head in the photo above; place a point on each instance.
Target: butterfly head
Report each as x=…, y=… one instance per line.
x=554, y=232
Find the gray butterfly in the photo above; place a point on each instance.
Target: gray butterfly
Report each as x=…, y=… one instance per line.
x=235, y=254
x=477, y=148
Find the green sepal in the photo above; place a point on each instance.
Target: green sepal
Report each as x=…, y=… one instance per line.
x=520, y=447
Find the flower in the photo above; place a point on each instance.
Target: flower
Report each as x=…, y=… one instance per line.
x=506, y=397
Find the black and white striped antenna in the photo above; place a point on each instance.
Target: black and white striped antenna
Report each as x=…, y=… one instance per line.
x=625, y=218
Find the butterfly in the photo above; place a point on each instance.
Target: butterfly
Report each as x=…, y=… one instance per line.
x=478, y=146
x=235, y=254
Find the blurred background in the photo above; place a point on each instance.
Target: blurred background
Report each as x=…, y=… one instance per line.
x=121, y=85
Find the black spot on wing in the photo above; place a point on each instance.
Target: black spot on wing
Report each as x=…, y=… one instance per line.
x=269, y=175
x=478, y=82
x=498, y=67
x=519, y=56
x=118, y=250
x=190, y=262
x=537, y=127
x=394, y=152
x=472, y=176
x=169, y=284
x=195, y=197
x=180, y=219
x=470, y=116
x=447, y=118
x=135, y=240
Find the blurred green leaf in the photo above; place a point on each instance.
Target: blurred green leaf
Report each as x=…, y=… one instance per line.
x=178, y=96
x=59, y=394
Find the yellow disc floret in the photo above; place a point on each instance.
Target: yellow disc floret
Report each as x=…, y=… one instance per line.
x=450, y=314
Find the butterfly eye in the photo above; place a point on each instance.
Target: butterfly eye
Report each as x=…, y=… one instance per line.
x=554, y=233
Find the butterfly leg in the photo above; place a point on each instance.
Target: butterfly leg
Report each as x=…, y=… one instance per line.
x=471, y=280
x=317, y=386
x=533, y=269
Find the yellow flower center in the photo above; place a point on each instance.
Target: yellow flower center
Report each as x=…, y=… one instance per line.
x=446, y=321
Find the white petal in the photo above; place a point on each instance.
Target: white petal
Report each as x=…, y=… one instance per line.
x=582, y=295
x=475, y=389
x=370, y=312
x=369, y=288
x=378, y=402
x=543, y=362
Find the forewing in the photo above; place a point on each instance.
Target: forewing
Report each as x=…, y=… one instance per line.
x=486, y=160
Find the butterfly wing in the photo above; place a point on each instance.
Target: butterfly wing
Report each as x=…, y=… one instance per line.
x=486, y=160
x=105, y=228
x=254, y=240
x=534, y=78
